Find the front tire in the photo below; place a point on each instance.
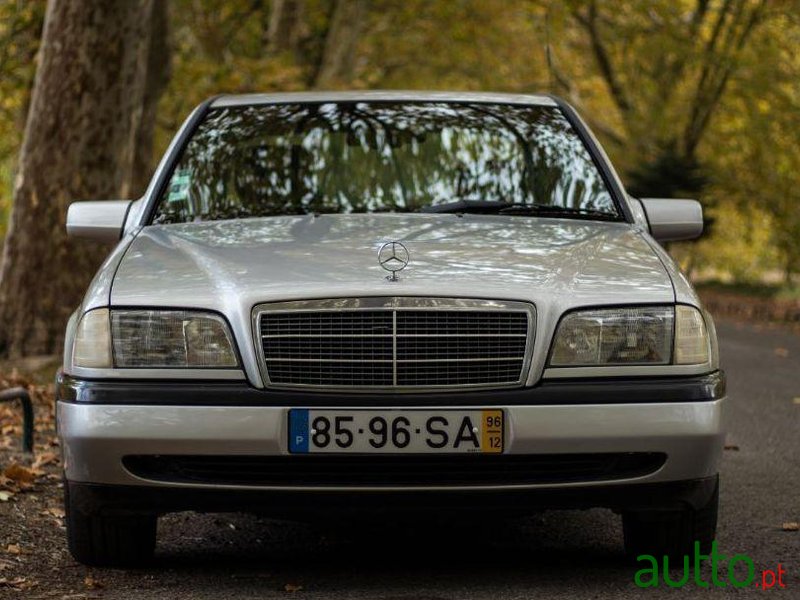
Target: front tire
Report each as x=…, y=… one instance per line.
x=109, y=541
x=671, y=533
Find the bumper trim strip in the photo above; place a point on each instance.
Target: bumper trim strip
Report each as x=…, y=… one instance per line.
x=116, y=499
x=631, y=390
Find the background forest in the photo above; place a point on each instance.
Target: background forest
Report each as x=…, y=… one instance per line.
x=692, y=98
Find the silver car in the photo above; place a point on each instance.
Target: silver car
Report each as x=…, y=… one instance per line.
x=388, y=301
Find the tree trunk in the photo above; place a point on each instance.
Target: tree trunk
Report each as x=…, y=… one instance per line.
x=286, y=27
x=336, y=63
x=156, y=80
x=80, y=140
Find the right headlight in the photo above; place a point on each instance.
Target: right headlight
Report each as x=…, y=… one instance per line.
x=647, y=335
x=136, y=338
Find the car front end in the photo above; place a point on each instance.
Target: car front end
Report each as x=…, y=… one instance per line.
x=459, y=356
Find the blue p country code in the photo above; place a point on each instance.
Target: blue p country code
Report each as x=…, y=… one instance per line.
x=298, y=430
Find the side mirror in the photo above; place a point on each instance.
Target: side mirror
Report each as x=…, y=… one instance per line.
x=673, y=220
x=99, y=220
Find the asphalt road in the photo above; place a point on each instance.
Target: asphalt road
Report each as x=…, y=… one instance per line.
x=556, y=555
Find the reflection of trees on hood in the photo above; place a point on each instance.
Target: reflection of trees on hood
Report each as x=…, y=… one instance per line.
x=364, y=157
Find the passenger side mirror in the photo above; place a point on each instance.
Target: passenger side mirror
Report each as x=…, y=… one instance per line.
x=672, y=220
x=99, y=220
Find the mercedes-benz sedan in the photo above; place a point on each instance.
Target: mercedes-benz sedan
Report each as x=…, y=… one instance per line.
x=388, y=301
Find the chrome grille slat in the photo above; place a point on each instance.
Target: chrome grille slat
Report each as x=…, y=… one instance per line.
x=395, y=343
x=399, y=335
x=332, y=360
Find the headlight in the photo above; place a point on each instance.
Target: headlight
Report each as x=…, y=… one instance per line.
x=631, y=336
x=153, y=338
x=614, y=336
x=171, y=339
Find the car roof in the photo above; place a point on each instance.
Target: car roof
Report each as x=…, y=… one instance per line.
x=381, y=96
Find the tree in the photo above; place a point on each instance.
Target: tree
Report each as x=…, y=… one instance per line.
x=666, y=67
x=285, y=27
x=345, y=27
x=20, y=32
x=156, y=80
x=87, y=117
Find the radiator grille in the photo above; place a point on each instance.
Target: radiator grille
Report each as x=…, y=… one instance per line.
x=396, y=346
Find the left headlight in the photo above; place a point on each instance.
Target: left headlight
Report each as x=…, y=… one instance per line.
x=647, y=335
x=171, y=339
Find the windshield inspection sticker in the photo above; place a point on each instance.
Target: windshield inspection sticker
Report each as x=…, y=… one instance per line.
x=179, y=187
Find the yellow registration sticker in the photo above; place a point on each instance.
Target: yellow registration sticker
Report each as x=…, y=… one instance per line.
x=492, y=428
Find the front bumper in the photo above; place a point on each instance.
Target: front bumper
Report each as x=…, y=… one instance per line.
x=100, y=423
x=93, y=498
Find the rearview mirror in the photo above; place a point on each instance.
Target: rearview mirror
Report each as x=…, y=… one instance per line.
x=99, y=220
x=672, y=220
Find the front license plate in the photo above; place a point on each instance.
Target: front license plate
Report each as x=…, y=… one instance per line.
x=395, y=431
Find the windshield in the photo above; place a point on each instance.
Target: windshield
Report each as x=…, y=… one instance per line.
x=356, y=157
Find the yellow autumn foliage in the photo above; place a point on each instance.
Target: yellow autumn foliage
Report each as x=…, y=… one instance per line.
x=689, y=97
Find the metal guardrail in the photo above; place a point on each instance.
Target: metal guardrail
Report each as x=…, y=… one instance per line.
x=24, y=398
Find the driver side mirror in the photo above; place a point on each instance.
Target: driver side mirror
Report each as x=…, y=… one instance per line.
x=672, y=220
x=99, y=220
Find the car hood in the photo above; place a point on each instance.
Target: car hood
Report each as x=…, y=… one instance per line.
x=247, y=261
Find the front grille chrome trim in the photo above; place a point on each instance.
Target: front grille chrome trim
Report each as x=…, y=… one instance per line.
x=404, y=335
x=397, y=305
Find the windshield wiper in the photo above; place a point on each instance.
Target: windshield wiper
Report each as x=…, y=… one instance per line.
x=468, y=205
x=500, y=207
x=552, y=210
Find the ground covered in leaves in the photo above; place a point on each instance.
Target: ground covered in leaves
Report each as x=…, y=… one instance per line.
x=31, y=510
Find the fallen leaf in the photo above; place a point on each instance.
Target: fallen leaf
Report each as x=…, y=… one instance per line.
x=791, y=526
x=291, y=587
x=92, y=583
x=796, y=400
x=732, y=447
x=45, y=458
x=13, y=549
x=19, y=474
x=782, y=352
x=5, y=496
x=53, y=511
x=19, y=584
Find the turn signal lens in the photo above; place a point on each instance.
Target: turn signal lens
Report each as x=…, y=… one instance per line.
x=691, y=336
x=92, y=348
